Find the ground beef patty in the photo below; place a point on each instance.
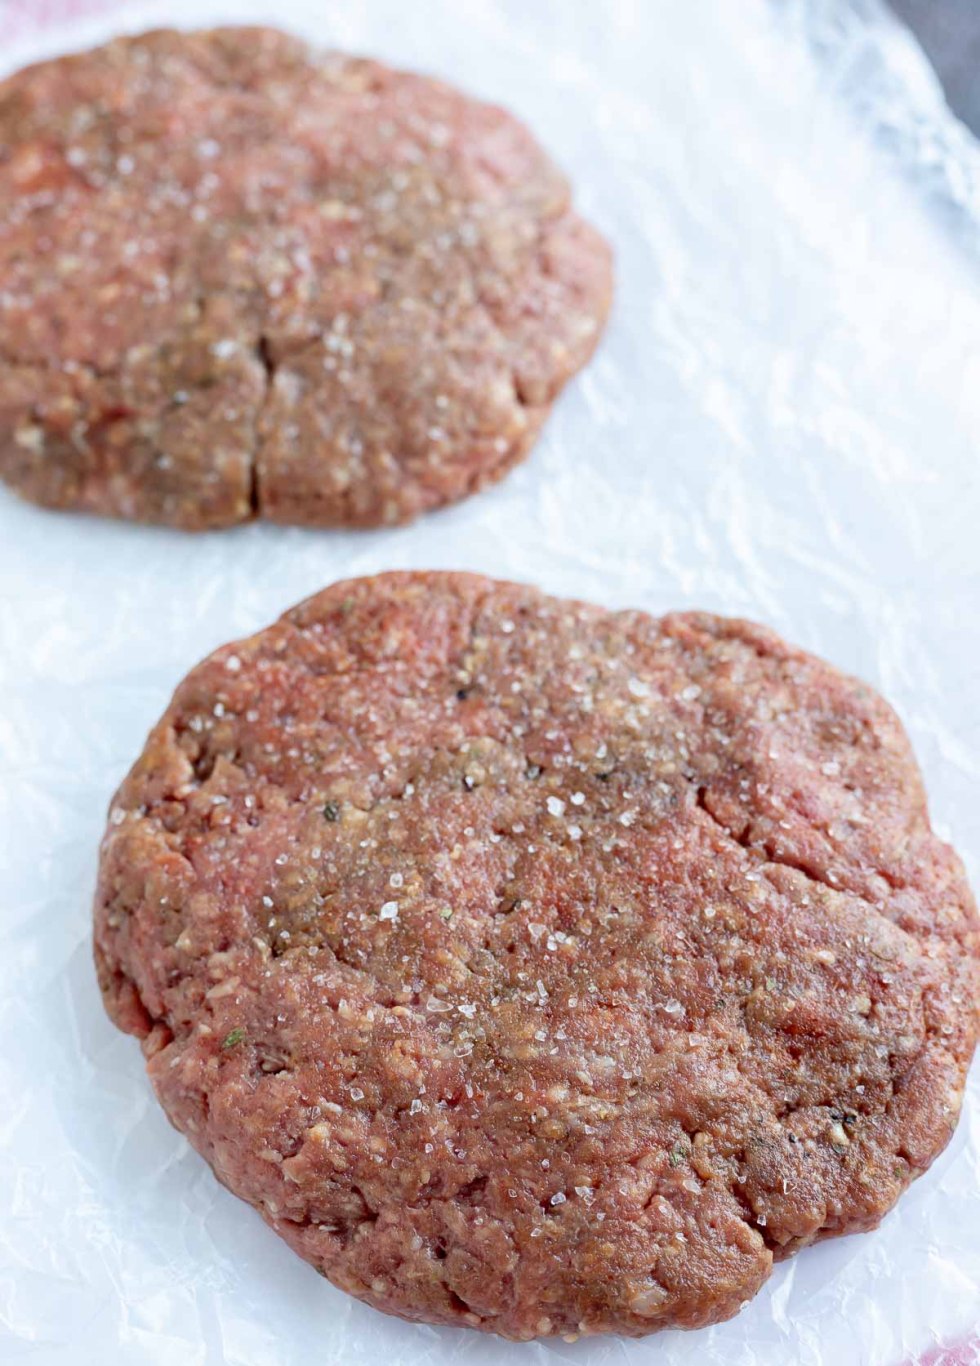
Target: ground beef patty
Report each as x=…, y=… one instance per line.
x=238, y=278
x=537, y=967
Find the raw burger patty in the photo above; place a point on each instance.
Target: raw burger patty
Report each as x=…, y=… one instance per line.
x=537, y=967
x=239, y=278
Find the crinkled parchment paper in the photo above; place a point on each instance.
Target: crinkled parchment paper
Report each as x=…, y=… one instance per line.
x=782, y=423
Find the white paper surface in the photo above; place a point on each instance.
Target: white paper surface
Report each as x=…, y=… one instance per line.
x=782, y=423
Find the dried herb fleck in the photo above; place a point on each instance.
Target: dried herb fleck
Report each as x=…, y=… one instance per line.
x=332, y=811
x=233, y=1037
x=678, y=1154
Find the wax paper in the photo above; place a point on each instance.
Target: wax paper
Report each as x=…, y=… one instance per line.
x=781, y=423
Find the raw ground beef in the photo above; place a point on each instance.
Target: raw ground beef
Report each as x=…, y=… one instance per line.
x=239, y=279
x=537, y=967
